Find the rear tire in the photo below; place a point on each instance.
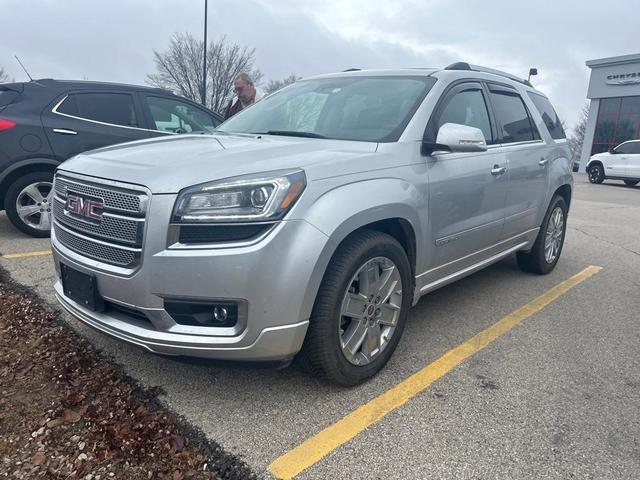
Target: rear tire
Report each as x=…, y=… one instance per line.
x=28, y=203
x=544, y=255
x=631, y=183
x=596, y=173
x=354, y=329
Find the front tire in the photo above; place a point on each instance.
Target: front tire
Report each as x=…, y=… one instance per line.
x=28, y=203
x=360, y=310
x=596, y=173
x=544, y=255
x=631, y=183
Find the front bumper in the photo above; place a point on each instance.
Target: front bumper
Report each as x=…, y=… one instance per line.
x=274, y=278
x=274, y=343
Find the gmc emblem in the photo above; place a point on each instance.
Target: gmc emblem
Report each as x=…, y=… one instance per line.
x=85, y=207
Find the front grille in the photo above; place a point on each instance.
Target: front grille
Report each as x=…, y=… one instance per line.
x=118, y=229
x=114, y=307
x=117, y=238
x=114, y=198
x=98, y=251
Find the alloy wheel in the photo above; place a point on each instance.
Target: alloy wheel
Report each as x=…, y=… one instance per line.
x=370, y=310
x=553, y=235
x=33, y=205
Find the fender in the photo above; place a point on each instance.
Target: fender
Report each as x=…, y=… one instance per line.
x=367, y=202
x=24, y=163
x=559, y=176
x=591, y=161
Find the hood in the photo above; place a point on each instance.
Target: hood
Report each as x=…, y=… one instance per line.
x=169, y=164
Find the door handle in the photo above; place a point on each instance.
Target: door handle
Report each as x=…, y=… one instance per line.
x=498, y=170
x=64, y=131
x=543, y=161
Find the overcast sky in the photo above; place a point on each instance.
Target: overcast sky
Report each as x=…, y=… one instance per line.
x=114, y=40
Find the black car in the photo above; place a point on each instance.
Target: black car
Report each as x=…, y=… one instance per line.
x=44, y=122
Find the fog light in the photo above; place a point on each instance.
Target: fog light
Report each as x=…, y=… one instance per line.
x=203, y=314
x=220, y=314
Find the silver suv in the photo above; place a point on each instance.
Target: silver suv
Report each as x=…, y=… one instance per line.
x=311, y=222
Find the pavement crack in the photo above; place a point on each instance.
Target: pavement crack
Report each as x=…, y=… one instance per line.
x=605, y=241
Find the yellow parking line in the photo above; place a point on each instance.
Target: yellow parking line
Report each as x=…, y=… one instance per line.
x=27, y=254
x=315, y=448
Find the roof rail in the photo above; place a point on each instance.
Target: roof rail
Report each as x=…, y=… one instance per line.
x=478, y=68
x=352, y=70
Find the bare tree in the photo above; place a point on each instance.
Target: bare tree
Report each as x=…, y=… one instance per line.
x=4, y=76
x=576, y=137
x=275, y=85
x=179, y=69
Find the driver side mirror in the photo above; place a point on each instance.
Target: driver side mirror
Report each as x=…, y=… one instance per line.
x=454, y=137
x=612, y=150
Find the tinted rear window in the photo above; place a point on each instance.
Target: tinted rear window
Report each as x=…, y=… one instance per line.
x=549, y=116
x=113, y=108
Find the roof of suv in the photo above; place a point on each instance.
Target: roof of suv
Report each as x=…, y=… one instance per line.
x=460, y=67
x=79, y=84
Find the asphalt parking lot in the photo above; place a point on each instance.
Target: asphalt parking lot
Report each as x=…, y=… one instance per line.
x=554, y=392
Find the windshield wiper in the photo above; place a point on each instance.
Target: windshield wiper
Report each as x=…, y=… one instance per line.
x=292, y=133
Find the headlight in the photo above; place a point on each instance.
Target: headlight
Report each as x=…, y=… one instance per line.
x=250, y=198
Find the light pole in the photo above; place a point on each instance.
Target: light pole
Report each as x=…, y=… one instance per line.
x=204, y=58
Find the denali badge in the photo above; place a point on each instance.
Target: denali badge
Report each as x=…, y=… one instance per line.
x=89, y=208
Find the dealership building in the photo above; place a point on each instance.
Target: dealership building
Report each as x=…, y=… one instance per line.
x=614, y=113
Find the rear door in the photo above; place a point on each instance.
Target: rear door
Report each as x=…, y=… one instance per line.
x=81, y=121
x=170, y=115
x=526, y=156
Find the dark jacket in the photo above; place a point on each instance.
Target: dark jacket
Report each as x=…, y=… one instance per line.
x=232, y=108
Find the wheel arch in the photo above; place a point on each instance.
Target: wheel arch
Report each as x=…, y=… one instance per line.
x=21, y=168
x=399, y=219
x=565, y=192
x=591, y=163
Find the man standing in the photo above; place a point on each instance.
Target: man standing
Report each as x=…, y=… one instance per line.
x=246, y=93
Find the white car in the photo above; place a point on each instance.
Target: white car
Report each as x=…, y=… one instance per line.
x=619, y=163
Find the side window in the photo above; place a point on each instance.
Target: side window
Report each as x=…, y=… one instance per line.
x=171, y=115
x=69, y=106
x=113, y=108
x=467, y=108
x=513, y=119
x=549, y=116
x=625, y=148
x=635, y=148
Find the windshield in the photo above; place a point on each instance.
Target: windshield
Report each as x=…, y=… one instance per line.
x=375, y=109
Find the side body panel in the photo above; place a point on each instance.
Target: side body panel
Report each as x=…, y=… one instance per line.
x=633, y=164
x=616, y=165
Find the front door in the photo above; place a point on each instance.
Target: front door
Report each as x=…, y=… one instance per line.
x=616, y=164
x=466, y=190
x=633, y=161
x=83, y=121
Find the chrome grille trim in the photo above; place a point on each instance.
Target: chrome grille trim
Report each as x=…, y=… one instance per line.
x=117, y=199
x=96, y=249
x=113, y=227
x=117, y=238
